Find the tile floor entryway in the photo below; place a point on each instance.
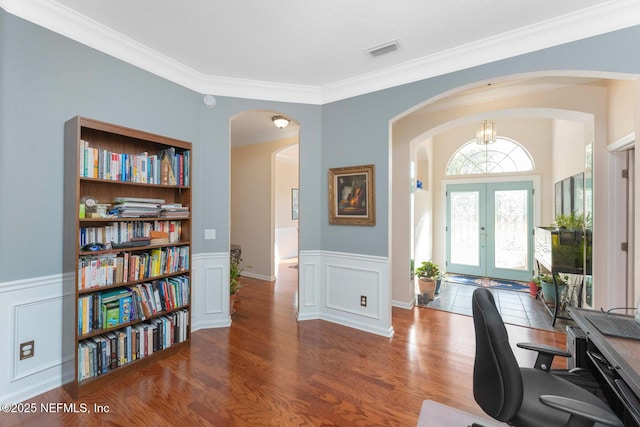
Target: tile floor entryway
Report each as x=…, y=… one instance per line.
x=516, y=308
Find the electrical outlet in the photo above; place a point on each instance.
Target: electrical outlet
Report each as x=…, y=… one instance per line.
x=210, y=234
x=27, y=350
x=363, y=300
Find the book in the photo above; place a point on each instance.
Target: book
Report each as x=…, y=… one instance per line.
x=113, y=346
x=167, y=170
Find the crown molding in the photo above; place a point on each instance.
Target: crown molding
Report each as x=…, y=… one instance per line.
x=69, y=23
x=577, y=26
x=590, y=22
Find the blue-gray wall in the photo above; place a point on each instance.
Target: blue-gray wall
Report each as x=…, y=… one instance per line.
x=45, y=79
x=356, y=130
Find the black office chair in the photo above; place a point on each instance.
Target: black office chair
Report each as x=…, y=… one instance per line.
x=524, y=396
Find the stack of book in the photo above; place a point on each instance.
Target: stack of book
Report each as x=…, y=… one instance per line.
x=158, y=237
x=136, y=207
x=174, y=210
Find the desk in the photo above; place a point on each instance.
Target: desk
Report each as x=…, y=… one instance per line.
x=623, y=355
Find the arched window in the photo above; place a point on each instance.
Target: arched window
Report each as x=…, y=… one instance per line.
x=502, y=156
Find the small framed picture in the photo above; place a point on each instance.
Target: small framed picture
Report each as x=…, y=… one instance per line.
x=352, y=195
x=294, y=203
x=558, y=194
x=567, y=196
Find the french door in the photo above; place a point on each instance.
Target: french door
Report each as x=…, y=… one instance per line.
x=490, y=229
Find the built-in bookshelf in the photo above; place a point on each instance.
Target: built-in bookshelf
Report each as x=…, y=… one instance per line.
x=127, y=251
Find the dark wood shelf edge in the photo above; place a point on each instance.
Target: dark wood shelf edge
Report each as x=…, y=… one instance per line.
x=135, y=218
x=134, y=248
x=97, y=332
x=136, y=282
x=144, y=184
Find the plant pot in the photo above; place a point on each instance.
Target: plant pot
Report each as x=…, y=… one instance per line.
x=427, y=288
x=549, y=293
x=533, y=289
x=232, y=301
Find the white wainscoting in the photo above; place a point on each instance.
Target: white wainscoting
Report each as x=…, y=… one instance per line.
x=32, y=310
x=210, y=291
x=332, y=284
x=330, y=288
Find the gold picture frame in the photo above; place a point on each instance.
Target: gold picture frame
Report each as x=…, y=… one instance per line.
x=352, y=195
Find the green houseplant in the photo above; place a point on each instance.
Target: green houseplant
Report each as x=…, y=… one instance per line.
x=534, y=286
x=428, y=275
x=235, y=273
x=547, y=286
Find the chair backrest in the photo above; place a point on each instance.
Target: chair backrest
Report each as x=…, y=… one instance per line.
x=497, y=382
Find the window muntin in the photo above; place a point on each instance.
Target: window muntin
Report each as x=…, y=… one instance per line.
x=503, y=156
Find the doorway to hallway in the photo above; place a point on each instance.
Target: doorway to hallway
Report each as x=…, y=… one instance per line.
x=489, y=229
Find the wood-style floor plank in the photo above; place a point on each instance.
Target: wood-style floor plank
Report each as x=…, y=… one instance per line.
x=269, y=369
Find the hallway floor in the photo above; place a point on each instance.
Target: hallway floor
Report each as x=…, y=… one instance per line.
x=516, y=308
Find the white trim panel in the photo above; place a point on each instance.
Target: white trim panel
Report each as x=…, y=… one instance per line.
x=210, y=291
x=332, y=283
x=32, y=309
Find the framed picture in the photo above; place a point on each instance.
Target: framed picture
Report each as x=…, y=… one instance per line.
x=352, y=195
x=558, y=204
x=578, y=194
x=567, y=196
x=294, y=203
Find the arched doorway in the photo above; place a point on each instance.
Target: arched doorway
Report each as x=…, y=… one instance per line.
x=423, y=125
x=256, y=196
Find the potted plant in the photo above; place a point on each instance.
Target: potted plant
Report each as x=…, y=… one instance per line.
x=547, y=286
x=428, y=274
x=235, y=273
x=534, y=286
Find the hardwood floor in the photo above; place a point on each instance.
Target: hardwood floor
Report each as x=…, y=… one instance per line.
x=270, y=369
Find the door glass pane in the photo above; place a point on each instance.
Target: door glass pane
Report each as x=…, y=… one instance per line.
x=465, y=220
x=511, y=234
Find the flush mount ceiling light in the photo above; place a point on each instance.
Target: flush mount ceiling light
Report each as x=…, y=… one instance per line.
x=487, y=133
x=280, y=122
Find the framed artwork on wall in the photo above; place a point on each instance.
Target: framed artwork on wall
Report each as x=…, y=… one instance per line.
x=352, y=195
x=578, y=194
x=558, y=206
x=294, y=203
x=567, y=196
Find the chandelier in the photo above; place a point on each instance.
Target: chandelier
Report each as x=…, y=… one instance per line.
x=487, y=133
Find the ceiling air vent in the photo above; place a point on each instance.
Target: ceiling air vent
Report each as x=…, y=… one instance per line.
x=383, y=49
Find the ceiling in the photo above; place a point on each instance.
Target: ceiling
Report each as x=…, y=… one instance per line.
x=316, y=51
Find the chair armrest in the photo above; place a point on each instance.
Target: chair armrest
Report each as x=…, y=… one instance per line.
x=582, y=410
x=546, y=353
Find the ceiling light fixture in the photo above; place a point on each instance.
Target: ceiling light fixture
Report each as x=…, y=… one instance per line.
x=487, y=133
x=280, y=122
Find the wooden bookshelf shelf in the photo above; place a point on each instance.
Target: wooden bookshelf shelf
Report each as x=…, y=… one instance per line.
x=132, y=282
x=130, y=305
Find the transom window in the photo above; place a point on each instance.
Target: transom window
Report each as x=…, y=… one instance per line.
x=502, y=156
